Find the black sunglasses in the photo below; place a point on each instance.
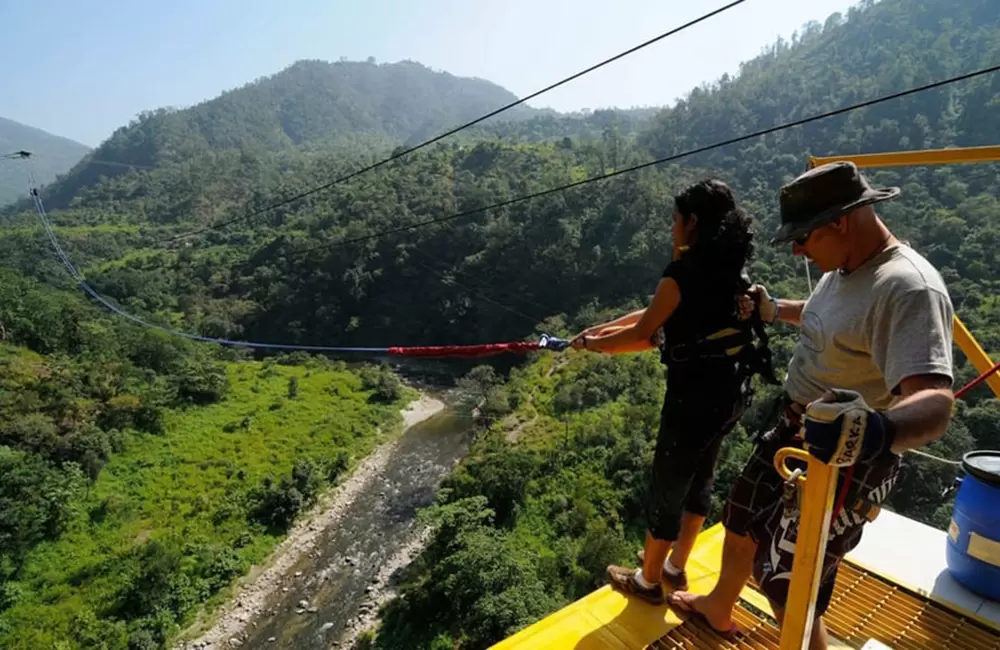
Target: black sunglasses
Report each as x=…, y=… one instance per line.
x=803, y=238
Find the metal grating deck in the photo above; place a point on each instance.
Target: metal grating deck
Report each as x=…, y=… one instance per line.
x=864, y=607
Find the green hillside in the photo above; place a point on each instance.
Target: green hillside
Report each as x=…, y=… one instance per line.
x=349, y=106
x=54, y=156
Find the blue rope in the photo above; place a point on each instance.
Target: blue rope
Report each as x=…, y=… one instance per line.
x=64, y=258
x=547, y=342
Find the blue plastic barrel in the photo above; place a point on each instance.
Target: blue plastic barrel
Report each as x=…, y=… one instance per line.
x=973, y=554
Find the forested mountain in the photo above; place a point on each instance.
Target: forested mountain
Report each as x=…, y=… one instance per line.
x=55, y=155
x=347, y=105
x=552, y=490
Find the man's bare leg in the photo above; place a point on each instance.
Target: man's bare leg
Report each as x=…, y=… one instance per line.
x=690, y=527
x=655, y=556
x=737, y=565
x=819, y=640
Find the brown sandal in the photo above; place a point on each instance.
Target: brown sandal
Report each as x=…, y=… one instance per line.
x=623, y=579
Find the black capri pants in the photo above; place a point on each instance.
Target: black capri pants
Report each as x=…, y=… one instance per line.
x=692, y=427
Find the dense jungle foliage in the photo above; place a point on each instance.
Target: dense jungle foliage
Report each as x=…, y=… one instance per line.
x=133, y=462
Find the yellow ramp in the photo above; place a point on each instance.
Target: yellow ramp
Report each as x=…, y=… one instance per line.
x=607, y=620
x=865, y=606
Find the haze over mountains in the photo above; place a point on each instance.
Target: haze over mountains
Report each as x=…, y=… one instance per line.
x=54, y=155
x=355, y=108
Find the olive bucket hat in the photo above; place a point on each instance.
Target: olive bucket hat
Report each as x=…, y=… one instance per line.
x=821, y=195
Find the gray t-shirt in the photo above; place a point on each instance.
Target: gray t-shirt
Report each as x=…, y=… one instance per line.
x=889, y=319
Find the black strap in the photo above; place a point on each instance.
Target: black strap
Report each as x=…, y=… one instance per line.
x=762, y=361
x=753, y=359
x=708, y=348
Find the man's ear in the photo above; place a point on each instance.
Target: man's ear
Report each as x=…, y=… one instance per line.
x=841, y=224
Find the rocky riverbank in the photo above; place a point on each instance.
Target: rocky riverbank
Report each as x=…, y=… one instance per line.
x=236, y=621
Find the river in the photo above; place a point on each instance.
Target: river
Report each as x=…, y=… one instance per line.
x=324, y=592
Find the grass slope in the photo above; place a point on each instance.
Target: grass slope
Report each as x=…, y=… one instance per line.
x=183, y=489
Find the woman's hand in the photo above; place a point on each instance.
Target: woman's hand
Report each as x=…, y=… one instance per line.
x=577, y=341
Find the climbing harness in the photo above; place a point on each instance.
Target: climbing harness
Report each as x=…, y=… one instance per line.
x=745, y=342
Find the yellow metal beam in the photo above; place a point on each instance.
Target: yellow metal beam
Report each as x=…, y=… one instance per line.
x=922, y=157
x=810, y=546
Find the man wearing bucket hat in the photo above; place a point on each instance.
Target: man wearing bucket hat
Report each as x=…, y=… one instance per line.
x=870, y=377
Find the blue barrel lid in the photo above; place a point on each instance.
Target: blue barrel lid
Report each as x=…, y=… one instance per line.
x=984, y=465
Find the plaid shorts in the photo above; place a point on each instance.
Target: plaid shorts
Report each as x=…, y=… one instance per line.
x=757, y=508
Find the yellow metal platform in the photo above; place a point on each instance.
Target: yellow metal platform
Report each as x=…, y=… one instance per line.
x=865, y=606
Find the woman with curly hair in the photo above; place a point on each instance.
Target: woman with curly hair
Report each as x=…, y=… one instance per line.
x=698, y=318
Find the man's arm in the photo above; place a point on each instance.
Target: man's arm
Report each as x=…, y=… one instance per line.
x=774, y=309
x=911, y=344
x=924, y=412
x=790, y=311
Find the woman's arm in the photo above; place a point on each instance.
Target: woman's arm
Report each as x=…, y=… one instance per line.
x=621, y=321
x=638, y=335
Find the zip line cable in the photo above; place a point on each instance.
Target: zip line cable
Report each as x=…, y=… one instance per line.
x=546, y=341
x=453, y=281
x=455, y=130
x=443, y=275
x=659, y=161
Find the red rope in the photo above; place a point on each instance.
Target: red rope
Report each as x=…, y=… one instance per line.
x=842, y=497
x=486, y=350
x=978, y=380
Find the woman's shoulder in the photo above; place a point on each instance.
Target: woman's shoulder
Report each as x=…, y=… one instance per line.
x=680, y=266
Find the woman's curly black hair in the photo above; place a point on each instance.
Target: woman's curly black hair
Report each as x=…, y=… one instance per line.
x=725, y=230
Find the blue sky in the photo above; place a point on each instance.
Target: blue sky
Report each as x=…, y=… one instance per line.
x=82, y=69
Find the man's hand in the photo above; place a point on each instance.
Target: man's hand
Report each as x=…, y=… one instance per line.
x=757, y=297
x=768, y=306
x=841, y=429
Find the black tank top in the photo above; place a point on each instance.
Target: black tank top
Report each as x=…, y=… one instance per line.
x=708, y=304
